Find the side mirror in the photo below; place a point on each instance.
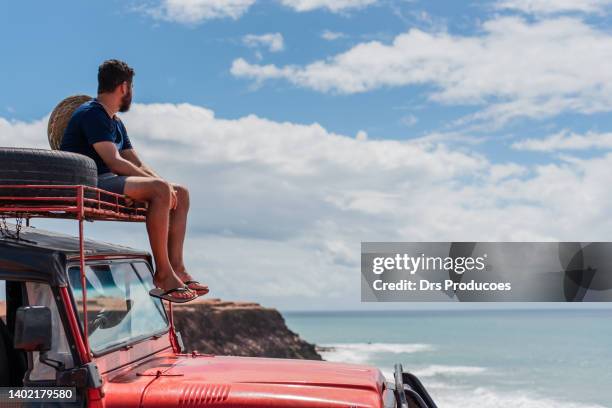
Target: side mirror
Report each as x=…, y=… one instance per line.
x=33, y=328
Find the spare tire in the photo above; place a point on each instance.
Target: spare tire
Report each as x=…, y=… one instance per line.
x=47, y=167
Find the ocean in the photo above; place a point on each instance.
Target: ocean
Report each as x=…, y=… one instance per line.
x=484, y=358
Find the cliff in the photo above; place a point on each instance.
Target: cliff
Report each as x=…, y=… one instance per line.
x=240, y=329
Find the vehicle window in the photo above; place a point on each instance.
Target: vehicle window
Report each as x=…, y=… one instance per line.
x=119, y=307
x=40, y=294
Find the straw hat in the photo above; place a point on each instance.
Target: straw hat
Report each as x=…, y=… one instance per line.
x=60, y=116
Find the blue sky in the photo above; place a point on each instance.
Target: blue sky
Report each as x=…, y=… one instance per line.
x=55, y=51
x=304, y=127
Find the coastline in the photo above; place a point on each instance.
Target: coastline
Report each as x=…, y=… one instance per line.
x=239, y=328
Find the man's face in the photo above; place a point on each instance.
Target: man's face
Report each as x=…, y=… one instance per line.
x=126, y=99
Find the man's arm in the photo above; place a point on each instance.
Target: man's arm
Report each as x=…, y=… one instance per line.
x=131, y=156
x=117, y=164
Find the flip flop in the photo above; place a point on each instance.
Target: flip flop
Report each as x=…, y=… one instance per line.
x=166, y=294
x=190, y=282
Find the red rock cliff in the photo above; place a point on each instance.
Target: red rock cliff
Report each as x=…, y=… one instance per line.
x=239, y=328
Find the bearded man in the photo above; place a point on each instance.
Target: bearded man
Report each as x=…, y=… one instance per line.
x=95, y=130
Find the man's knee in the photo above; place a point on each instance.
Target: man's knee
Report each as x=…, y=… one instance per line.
x=161, y=190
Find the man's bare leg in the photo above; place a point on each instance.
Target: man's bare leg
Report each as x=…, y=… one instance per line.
x=177, y=229
x=158, y=194
x=176, y=238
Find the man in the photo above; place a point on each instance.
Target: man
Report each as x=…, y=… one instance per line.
x=95, y=131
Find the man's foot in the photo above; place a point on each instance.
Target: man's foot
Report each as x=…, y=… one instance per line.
x=196, y=286
x=168, y=281
x=170, y=295
x=191, y=283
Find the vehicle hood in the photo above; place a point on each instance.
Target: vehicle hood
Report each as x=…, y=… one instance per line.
x=194, y=381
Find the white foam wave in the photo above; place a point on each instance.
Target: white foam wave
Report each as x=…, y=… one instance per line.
x=362, y=352
x=381, y=347
x=487, y=398
x=446, y=392
x=447, y=395
x=435, y=370
x=436, y=374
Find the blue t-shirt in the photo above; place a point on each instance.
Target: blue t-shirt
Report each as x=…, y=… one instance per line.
x=91, y=124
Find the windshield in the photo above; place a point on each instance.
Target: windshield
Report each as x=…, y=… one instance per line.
x=119, y=307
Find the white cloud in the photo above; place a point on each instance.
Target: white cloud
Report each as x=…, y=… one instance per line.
x=278, y=209
x=514, y=67
x=555, y=6
x=15, y=133
x=331, y=5
x=296, y=149
x=273, y=41
x=195, y=11
x=566, y=140
x=332, y=35
x=505, y=171
x=409, y=120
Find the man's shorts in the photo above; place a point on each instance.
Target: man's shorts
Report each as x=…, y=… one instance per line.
x=112, y=182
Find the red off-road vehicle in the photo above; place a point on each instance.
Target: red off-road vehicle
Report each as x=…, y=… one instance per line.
x=78, y=315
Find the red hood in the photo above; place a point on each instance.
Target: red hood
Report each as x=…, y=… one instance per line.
x=187, y=381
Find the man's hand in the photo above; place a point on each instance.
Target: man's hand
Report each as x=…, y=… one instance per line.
x=115, y=162
x=131, y=156
x=127, y=163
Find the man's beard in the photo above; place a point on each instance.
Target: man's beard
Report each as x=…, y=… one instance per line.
x=126, y=101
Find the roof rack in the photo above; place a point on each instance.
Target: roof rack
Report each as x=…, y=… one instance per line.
x=67, y=201
x=78, y=202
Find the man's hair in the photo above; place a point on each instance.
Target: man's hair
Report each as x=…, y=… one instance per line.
x=113, y=73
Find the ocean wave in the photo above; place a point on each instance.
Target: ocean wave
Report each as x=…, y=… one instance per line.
x=443, y=381
x=362, y=352
x=487, y=398
x=446, y=394
x=381, y=347
x=437, y=372
x=434, y=370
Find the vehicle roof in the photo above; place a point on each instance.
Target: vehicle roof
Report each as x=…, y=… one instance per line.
x=43, y=255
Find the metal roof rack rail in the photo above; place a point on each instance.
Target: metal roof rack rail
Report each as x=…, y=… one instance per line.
x=69, y=202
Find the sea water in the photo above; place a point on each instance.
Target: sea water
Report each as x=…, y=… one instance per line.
x=478, y=358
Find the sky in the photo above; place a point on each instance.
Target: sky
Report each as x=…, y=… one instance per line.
x=304, y=127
